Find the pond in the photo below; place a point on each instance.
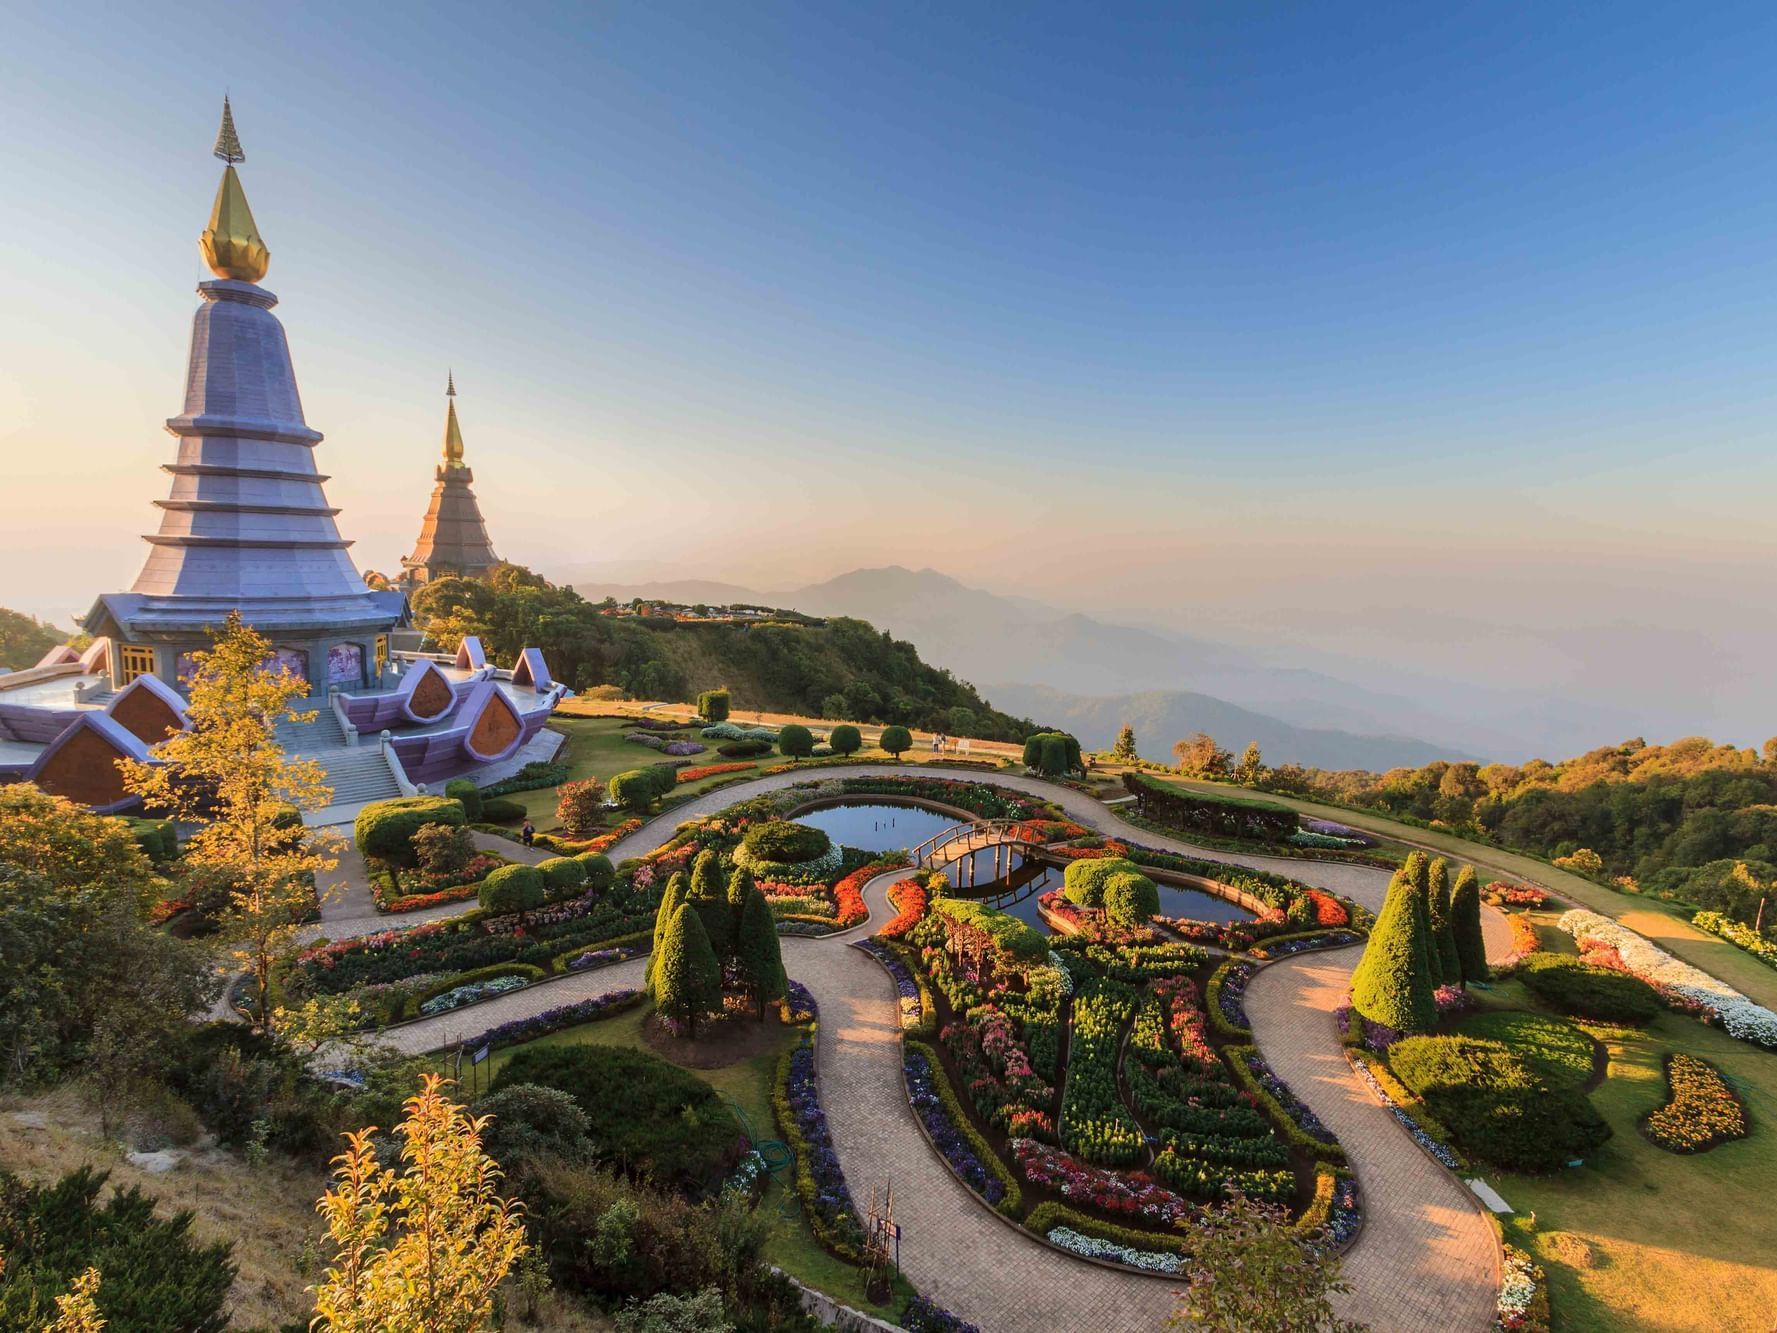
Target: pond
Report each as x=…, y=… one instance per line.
x=1027, y=882
x=877, y=826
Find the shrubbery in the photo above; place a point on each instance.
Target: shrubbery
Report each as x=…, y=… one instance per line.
x=639, y=788
x=744, y=749
x=795, y=741
x=784, y=840
x=1052, y=753
x=384, y=829
x=514, y=888
x=896, y=741
x=1131, y=899
x=1592, y=992
x=563, y=876
x=1495, y=1105
x=465, y=792
x=845, y=739
x=712, y=706
x=643, y=1113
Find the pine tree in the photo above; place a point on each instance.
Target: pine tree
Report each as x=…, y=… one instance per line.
x=1251, y=767
x=1391, y=985
x=1443, y=937
x=1124, y=750
x=758, y=957
x=687, y=980
x=1465, y=925
x=1417, y=868
x=671, y=899
x=740, y=888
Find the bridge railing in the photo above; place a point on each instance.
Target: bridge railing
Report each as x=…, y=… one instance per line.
x=980, y=834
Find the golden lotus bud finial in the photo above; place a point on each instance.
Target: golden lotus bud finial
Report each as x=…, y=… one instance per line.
x=453, y=434
x=230, y=244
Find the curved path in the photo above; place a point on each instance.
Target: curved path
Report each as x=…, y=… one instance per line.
x=1426, y=1257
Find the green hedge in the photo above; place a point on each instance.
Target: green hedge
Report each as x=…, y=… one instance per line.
x=599, y=871
x=1282, y=1119
x=1228, y=816
x=559, y=964
x=1212, y=1001
x=465, y=791
x=498, y=810
x=514, y=888
x=1013, y=1203
x=384, y=830
x=563, y=876
x=1592, y=992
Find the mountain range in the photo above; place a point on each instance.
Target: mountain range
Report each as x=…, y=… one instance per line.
x=1091, y=676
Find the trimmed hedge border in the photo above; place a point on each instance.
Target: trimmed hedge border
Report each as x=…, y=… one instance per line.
x=1279, y=1113
x=1430, y=1133
x=1013, y=1203
x=1045, y=1217
x=521, y=1030
x=1212, y=1001
x=529, y=971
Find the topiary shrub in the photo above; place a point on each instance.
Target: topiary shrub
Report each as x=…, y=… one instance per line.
x=498, y=810
x=1495, y=1106
x=638, y=788
x=465, y=791
x=1392, y=984
x=384, y=829
x=1052, y=753
x=896, y=741
x=1084, y=882
x=1590, y=991
x=712, y=706
x=845, y=739
x=744, y=749
x=649, y=1116
x=795, y=741
x=563, y=876
x=599, y=871
x=783, y=840
x=1131, y=899
x=514, y=889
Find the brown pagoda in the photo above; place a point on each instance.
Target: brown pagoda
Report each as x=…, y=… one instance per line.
x=453, y=538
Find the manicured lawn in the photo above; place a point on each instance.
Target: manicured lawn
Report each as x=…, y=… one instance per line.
x=1639, y=1237
x=1666, y=925
x=792, y=1247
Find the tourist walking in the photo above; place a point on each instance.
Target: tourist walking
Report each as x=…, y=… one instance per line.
x=527, y=831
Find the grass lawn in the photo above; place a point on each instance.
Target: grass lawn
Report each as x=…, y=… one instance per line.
x=792, y=1246
x=1557, y=1049
x=1666, y=925
x=1639, y=1237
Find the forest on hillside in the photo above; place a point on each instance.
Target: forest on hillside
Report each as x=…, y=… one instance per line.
x=1692, y=821
x=24, y=639
x=838, y=668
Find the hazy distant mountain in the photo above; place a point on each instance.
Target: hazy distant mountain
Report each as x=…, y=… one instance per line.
x=1161, y=717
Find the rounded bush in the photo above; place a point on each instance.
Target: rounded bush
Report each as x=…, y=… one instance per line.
x=896, y=741
x=644, y=1113
x=384, y=829
x=465, y=790
x=1590, y=991
x=498, y=810
x=783, y=840
x=531, y=1123
x=1084, y=882
x=563, y=876
x=1131, y=899
x=514, y=889
x=599, y=871
x=795, y=741
x=638, y=788
x=744, y=749
x=845, y=739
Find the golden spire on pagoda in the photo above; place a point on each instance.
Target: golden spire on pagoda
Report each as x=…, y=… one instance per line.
x=231, y=244
x=453, y=434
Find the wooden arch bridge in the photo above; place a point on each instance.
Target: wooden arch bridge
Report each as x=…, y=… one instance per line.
x=1004, y=837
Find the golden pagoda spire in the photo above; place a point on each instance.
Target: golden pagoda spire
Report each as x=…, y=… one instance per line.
x=231, y=244
x=453, y=434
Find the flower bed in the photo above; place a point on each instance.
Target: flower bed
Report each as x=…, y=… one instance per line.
x=407, y=890
x=935, y=1105
x=1734, y=933
x=997, y=1073
x=554, y=842
x=1524, y=937
x=1523, y=1293
x=1092, y=1247
x=1522, y=896
x=1334, y=1215
x=1441, y=1151
x=907, y=987
x=534, y=776
x=711, y=770
x=908, y=897
x=664, y=746
x=1226, y=999
x=1126, y=1194
x=1094, y=1122
x=1293, y=1117
x=1283, y=946
x=1701, y=1109
x=820, y=1180
x=1738, y=1016
x=555, y=1020
x=458, y=996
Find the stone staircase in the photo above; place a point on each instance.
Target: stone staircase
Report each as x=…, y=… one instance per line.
x=358, y=774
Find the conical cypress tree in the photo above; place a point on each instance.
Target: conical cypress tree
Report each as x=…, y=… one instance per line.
x=1390, y=985
x=671, y=899
x=740, y=888
x=710, y=897
x=1418, y=871
x=1465, y=925
x=1442, y=935
x=758, y=957
x=687, y=981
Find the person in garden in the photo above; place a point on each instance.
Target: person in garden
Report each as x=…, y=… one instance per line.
x=528, y=831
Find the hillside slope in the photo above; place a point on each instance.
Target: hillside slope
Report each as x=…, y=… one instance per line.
x=1161, y=717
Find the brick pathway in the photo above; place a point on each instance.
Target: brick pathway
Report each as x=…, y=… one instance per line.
x=1426, y=1258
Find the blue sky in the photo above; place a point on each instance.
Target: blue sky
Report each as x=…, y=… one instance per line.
x=1367, y=294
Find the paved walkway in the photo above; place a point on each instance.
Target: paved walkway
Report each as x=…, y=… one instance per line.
x=1426, y=1257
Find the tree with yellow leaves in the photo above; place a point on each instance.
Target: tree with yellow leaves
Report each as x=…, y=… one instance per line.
x=426, y=1249
x=77, y=1311
x=228, y=774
